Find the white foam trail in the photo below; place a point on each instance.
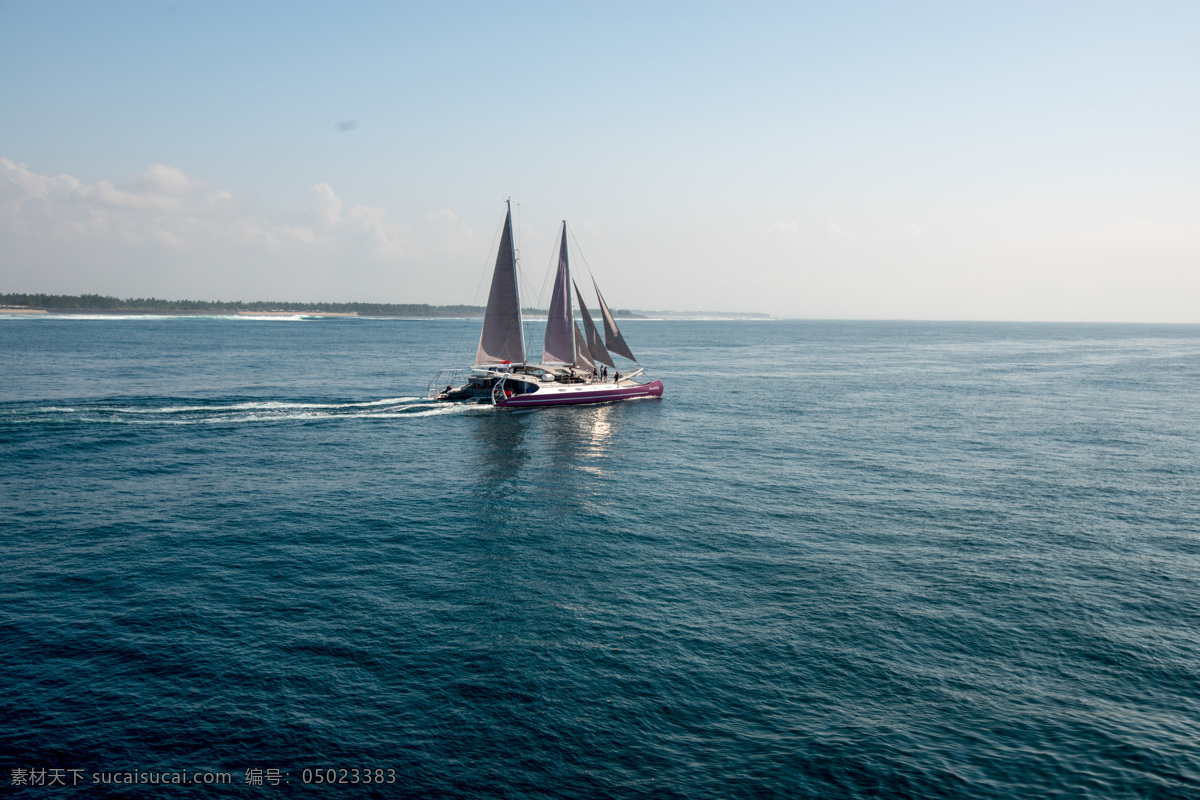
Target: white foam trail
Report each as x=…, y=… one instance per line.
x=309, y=416
x=270, y=405
x=263, y=411
x=264, y=405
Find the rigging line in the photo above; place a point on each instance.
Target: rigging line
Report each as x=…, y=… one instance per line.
x=522, y=277
x=579, y=250
x=475, y=300
x=541, y=295
x=551, y=265
x=519, y=260
x=543, y=213
x=542, y=292
x=483, y=274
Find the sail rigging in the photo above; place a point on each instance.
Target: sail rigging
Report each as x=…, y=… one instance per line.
x=595, y=345
x=571, y=350
x=502, y=339
x=582, y=357
x=559, y=345
x=613, y=340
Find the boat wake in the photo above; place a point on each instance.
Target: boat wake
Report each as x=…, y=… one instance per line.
x=199, y=412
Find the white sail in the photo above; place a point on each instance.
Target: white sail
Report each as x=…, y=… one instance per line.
x=582, y=357
x=559, y=346
x=572, y=350
x=594, y=344
x=502, y=339
x=613, y=340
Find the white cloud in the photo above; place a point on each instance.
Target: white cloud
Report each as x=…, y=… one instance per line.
x=161, y=205
x=388, y=240
x=165, y=206
x=325, y=205
x=170, y=233
x=163, y=180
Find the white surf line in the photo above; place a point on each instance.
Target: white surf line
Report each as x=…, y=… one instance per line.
x=264, y=405
x=263, y=411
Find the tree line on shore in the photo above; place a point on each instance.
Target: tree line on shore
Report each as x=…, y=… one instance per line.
x=135, y=305
x=102, y=304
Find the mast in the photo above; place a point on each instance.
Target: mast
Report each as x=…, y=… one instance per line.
x=559, y=346
x=570, y=312
x=516, y=277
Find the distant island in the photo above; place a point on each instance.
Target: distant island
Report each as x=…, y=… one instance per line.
x=101, y=304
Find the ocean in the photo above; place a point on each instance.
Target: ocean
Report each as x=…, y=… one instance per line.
x=247, y=558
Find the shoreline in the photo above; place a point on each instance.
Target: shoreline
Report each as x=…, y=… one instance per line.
x=231, y=313
x=103, y=312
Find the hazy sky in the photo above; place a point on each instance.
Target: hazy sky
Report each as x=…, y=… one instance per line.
x=955, y=160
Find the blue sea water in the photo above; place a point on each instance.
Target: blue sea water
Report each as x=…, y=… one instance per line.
x=835, y=560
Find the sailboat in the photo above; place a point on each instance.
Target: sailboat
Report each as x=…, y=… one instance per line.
x=574, y=363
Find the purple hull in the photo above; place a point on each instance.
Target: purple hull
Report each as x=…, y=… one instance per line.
x=556, y=396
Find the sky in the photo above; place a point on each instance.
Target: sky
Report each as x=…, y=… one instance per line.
x=852, y=160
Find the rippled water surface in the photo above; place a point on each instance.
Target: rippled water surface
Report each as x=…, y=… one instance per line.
x=835, y=560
